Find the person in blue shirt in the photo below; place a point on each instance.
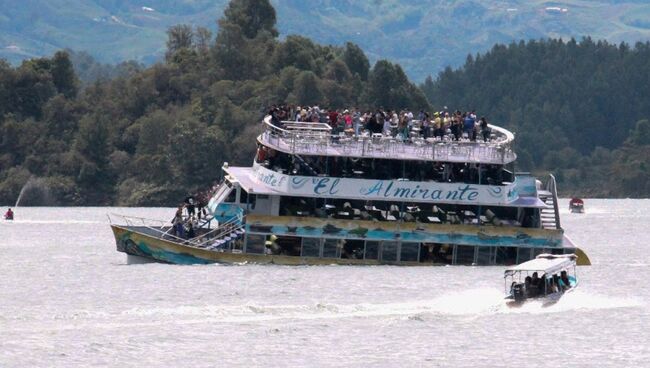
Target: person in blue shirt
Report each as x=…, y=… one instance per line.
x=564, y=281
x=468, y=125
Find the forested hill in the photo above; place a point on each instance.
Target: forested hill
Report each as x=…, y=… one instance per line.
x=580, y=109
x=423, y=36
x=151, y=136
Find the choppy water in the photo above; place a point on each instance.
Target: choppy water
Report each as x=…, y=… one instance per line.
x=67, y=298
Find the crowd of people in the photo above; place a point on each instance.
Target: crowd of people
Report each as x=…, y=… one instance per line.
x=189, y=214
x=402, y=124
x=536, y=286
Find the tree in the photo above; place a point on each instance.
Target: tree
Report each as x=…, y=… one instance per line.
x=356, y=60
x=63, y=75
x=251, y=16
x=179, y=37
x=306, y=89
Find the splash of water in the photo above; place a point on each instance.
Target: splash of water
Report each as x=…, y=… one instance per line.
x=22, y=191
x=37, y=192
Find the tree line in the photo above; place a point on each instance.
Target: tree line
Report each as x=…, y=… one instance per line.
x=149, y=136
x=579, y=109
x=130, y=135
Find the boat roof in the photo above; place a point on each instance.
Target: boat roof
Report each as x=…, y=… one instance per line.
x=546, y=263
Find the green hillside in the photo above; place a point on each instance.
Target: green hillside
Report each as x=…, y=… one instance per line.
x=423, y=36
x=578, y=109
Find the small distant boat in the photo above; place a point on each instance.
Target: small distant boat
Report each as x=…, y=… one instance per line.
x=576, y=205
x=545, y=278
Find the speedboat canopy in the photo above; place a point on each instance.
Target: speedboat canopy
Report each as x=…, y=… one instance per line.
x=545, y=263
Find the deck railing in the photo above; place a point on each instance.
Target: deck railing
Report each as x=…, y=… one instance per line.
x=316, y=139
x=157, y=227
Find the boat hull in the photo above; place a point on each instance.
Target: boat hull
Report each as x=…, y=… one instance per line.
x=139, y=244
x=135, y=241
x=546, y=300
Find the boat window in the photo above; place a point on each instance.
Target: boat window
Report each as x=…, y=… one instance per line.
x=246, y=198
x=523, y=254
x=506, y=255
x=310, y=247
x=232, y=196
x=409, y=252
x=352, y=249
x=485, y=256
x=372, y=250
x=255, y=243
x=465, y=254
x=331, y=248
x=436, y=253
x=389, y=251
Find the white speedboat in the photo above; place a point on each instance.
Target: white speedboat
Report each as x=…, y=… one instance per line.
x=545, y=278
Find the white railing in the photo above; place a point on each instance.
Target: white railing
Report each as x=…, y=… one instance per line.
x=316, y=139
x=224, y=229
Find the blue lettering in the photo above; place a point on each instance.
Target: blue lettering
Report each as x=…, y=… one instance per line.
x=320, y=185
x=472, y=196
x=436, y=194
x=375, y=188
x=464, y=190
x=402, y=192
x=387, y=191
x=415, y=191
x=334, y=185
x=452, y=194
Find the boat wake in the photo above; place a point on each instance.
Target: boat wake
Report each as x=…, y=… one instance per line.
x=475, y=302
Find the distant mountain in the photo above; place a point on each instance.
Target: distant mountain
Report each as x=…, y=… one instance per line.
x=424, y=36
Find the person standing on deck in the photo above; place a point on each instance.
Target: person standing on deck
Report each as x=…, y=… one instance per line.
x=190, y=203
x=177, y=223
x=9, y=215
x=356, y=121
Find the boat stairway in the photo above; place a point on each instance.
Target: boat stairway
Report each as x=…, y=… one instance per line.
x=225, y=240
x=548, y=215
x=304, y=164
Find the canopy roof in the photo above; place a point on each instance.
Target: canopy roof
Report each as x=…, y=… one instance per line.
x=546, y=263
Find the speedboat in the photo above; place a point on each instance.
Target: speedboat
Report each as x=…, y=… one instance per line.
x=545, y=278
x=577, y=205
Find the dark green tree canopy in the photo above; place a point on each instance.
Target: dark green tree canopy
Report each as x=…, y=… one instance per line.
x=251, y=16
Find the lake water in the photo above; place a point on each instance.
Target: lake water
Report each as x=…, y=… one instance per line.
x=67, y=298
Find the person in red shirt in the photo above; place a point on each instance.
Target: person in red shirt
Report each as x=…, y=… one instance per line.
x=333, y=116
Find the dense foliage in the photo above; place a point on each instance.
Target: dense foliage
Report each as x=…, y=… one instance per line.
x=579, y=109
x=150, y=136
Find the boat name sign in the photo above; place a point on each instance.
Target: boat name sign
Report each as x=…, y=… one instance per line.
x=369, y=189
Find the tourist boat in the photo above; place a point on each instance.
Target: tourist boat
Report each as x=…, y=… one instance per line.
x=576, y=205
x=315, y=197
x=545, y=278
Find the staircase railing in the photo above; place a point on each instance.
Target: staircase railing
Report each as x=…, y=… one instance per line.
x=224, y=229
x=551, y=186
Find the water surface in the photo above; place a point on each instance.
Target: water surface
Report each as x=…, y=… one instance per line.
x=67, y=298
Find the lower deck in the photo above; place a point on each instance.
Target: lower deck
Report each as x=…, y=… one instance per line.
x=300, y=250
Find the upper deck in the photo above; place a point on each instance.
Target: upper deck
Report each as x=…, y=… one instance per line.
x=304, y=138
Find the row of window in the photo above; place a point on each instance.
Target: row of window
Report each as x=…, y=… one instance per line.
x=391, y=251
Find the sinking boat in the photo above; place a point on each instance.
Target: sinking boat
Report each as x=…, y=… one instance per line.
x=312, y=196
